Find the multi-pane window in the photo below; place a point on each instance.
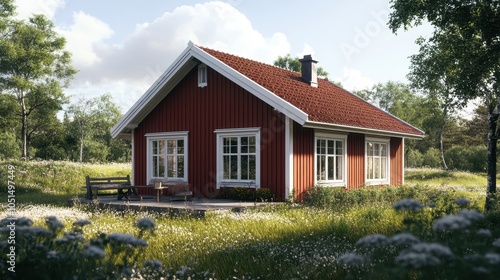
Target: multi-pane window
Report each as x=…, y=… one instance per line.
x=377, y=160
x=330, y=160
x=168, y=156
x=239, y=158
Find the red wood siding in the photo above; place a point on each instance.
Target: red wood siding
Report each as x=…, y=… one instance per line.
x=303, y=159
x=397, y=171
x=355, y=161
x=200, y=111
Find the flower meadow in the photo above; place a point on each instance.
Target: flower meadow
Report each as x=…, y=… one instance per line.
x=407, y=232
x=287, y=241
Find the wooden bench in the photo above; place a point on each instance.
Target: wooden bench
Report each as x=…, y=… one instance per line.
x=121, y=184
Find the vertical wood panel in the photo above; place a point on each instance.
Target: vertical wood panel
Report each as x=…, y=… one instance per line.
x=397, y=171
x=355, y=160
x=303, y=159
x=221, y=104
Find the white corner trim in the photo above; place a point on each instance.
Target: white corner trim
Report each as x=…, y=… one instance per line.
x=288, y=157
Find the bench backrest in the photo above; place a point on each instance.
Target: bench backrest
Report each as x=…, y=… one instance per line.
x=107, y=180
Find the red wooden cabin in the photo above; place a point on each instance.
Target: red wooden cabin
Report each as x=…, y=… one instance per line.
x=216, y=120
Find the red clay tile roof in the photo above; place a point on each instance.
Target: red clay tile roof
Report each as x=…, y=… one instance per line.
x=327, y=103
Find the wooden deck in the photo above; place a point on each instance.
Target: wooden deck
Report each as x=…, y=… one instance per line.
x=196, y=207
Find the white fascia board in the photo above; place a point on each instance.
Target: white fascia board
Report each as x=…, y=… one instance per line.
x=246, y=83
x=145, y=99
x=193, y=51
x=353, y=129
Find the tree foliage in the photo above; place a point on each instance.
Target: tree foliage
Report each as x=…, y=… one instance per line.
x=463, y=54
x=34, y=67
x=294, y=64
x=88, y=123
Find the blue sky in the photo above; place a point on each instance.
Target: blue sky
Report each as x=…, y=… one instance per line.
x=121, y=47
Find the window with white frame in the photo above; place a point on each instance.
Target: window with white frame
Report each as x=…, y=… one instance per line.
x=238, y=157
x=377, y=160
x=330, y=161
x=167, y=156
x=202, y=75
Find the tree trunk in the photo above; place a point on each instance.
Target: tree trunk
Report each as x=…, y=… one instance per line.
x=81, y=149
x=492, y=159
x=441, y=146
x=24, y=129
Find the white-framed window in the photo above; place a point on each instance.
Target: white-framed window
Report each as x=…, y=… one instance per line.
x=330, y=162
x=377, y=160
x=167, y=156
x=202, y=75
x=238, y=157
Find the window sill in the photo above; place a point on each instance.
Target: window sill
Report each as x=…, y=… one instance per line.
x=331, y=184
x=237, y=184
x=377, y=183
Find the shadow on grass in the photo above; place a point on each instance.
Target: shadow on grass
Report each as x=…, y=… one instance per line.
x=37, y=196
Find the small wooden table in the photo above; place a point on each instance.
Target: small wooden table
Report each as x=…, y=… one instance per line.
x=158, y=191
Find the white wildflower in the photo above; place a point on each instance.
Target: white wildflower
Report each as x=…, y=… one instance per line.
x=372, y=241
x=451, y=222
x=462, y=202
x=53, y=223
x=94, y=252
x=52, y=255
x=492, y=258
x=471, y=215
x=484, y=233
x=82, y=223
x=350, y=259
x=496, y=243
x=145, y=224
x=408, y=204
x=127, y=239
x=424, y=254
x=153, y=263
x=403, y=239
x=411, y=259
x=35, y=231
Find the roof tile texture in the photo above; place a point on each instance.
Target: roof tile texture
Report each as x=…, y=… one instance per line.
x=328, y=103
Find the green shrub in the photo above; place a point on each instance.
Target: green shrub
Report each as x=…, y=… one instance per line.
x=470, y=158
x=10, y=147
x=249, y=194
x=414, y=159
x=431, y=158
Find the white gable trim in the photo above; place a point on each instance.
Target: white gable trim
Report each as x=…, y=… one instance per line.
x=178, y=69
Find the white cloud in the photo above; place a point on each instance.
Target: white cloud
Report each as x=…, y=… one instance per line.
x=306, y=50
x=128, y=69
x=354, y=80
x=83, y=37
x=26, y=8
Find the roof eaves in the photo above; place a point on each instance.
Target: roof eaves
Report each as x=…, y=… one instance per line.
x=130, y=116
x=354, y=129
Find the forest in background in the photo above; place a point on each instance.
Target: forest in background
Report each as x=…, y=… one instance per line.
x=35, y=70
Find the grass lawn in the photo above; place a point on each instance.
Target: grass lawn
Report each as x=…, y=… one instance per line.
x=287, y=241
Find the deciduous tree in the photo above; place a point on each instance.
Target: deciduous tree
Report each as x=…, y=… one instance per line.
x=34, y=67
x=467, y=34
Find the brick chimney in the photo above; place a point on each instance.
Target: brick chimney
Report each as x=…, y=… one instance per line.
x=309, y=71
